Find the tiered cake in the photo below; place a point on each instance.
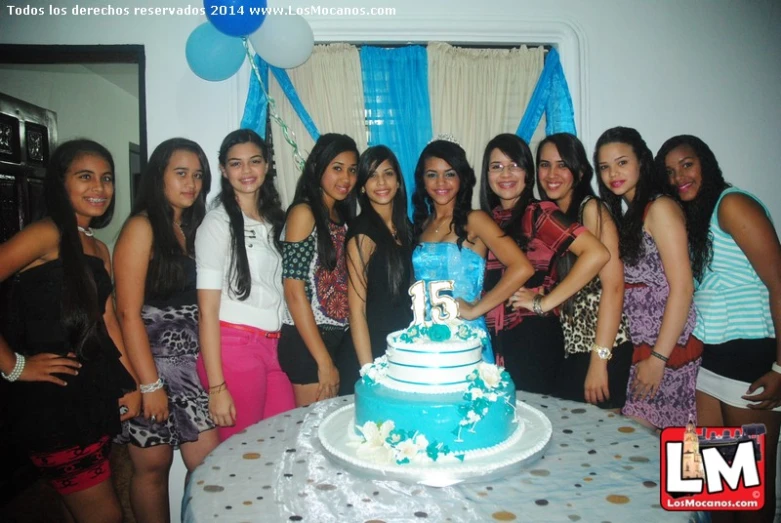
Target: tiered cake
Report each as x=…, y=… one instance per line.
x=431, y=398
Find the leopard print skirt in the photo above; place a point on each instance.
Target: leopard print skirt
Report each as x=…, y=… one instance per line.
x=173, y=338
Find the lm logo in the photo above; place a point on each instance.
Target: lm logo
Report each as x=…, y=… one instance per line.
x=713, y=468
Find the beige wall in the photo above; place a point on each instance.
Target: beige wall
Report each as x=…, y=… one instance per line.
x=87, y=106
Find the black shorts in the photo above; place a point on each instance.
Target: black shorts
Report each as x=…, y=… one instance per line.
x=572, y=376
x=299, y=365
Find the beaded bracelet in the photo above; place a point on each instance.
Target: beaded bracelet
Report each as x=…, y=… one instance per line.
x=17, y=370
x=151, y=387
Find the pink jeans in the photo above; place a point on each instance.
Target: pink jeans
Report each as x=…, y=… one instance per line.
x=256, y=383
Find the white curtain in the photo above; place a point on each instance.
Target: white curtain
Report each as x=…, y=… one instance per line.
x=331, y=88
x=479, y=93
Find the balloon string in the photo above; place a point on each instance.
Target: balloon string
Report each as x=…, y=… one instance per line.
x=289, y=135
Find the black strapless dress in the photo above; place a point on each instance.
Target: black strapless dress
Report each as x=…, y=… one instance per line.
x=43, y=416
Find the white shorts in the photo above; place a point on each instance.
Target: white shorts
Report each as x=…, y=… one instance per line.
x=726, y=390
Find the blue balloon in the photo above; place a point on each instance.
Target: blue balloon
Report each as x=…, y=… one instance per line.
x=236, y=17
x=212, y=55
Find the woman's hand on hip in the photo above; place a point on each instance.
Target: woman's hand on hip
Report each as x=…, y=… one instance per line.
x=770, y=397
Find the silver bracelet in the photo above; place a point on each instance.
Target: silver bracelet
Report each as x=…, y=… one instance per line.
x=151, y=387
x=17, y=371
x=537, y=305
x=775, y=368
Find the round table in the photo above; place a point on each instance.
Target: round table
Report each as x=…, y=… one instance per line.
x=598, y=467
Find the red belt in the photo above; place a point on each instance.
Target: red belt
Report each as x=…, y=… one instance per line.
x=637, y=285
x=253, y=330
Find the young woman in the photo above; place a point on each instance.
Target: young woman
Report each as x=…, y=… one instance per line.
x=736, y=260
x=527, y=332
x=453, y=240
x=240, y=290
x=658, y=296
x=64, y=348
x=379, y=255
x=154, y=270
x=317, y=349
x=597, y=346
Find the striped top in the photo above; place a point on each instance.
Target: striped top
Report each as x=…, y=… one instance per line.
x=732, y=301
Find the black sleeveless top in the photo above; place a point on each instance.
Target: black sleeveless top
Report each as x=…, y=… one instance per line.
x=188, y=295
x=384, y=312
x=44, y=416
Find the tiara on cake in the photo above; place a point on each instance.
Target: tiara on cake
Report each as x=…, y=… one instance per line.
x=446, y=137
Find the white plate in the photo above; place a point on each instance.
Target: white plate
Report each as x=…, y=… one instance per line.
x=523, y=447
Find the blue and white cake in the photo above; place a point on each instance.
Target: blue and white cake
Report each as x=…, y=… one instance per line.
x=431, y=398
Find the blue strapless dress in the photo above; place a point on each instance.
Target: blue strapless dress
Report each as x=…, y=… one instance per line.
x=445, y=261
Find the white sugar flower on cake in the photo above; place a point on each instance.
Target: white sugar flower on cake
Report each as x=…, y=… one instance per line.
x=374, y=435
x=373, y=446
x=490, y=374
x=412, y=450
x=475, y=393
x=383, y=443
x=376, y=371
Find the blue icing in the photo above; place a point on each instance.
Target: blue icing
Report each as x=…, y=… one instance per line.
x=438, y=416
x=439, y=332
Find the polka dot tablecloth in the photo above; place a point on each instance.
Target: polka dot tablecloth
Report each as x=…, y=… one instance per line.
x=598, y=467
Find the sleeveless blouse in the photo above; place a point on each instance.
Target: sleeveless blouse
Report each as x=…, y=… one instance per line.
x=732, y=302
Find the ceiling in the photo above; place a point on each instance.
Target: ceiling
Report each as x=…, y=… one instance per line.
x=124, y=76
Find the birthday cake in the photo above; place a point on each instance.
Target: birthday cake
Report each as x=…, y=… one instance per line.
x=432, y=399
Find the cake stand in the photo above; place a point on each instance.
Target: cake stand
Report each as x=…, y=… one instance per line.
x=523, y=447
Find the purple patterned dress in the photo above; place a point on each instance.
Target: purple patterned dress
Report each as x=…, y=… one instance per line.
x=645, y=297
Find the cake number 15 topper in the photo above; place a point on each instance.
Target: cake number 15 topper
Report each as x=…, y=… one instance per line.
x=443, y=307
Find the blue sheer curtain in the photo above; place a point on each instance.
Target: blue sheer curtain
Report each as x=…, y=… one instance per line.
x=256, y=107
x=551, y=96
x=398, y=110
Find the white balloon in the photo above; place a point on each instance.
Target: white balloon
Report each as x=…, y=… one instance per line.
x=284, y=41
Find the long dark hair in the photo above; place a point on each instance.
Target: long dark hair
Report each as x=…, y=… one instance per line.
x=268, y=204
x=573, y=154
x=81, y=312
x=699, y=210
x=165, y=274
x=630, y=224
x=368, y=163
x=518, y=151
x=308, y=191
x=454, y=155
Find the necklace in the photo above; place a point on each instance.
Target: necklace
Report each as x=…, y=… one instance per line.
x=394, y=233
x=87, y=232
x=179, y=225
x=449, y=221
